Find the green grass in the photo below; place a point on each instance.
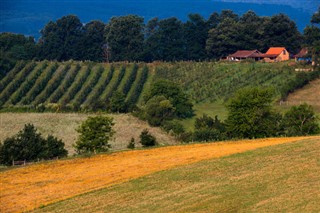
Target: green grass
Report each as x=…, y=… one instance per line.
x=283, y=178
x=212, y=109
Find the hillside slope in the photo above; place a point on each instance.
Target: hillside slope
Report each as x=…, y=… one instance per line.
x=50, y=182
x=87, y=85
x=309, y=94
x=63, y=126
x=283, y=178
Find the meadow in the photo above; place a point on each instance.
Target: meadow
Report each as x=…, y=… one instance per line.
x=40, y=184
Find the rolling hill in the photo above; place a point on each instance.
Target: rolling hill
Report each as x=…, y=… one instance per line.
x=72, y=85
x=174, y=179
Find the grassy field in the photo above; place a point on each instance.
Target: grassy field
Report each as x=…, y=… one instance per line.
x=63, y=125
x=283, y=178
x=40, y=184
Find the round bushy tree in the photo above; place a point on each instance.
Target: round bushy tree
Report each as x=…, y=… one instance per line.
x=146, y=139
x=95, y=134
x=251, y=115
x=300, y=120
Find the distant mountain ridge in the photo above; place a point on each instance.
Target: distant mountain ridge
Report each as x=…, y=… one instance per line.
x=308, y=5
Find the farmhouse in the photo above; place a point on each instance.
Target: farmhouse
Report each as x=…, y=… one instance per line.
x=303, y=55
x=276, y=54
x=245, y=54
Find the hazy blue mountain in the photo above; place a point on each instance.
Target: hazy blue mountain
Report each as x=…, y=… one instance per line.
x=308, y=5
x=29, y=16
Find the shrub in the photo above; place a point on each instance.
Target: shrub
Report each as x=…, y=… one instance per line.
x=131, y=144
x=173, y=126
x=29, y=145
x=95, y=133
x=146, y=139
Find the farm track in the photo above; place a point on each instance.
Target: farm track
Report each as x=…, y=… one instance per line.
x=30, y=187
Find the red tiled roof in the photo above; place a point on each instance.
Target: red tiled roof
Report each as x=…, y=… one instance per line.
x=275, y=50
x=303, y=52
x=245, y=54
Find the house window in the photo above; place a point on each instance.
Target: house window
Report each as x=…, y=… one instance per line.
x=284, y=52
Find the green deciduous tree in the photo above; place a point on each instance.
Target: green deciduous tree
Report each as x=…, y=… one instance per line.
x=124, y=36
x=251, y=115
x=92, y=41
x=300, y=120
x=159, y=109
x=30, y=145
x=118, y=102
x=61, y=40
x=175, y=94
x=95, y=134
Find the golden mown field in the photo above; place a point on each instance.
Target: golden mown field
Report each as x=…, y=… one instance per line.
x=30, y=187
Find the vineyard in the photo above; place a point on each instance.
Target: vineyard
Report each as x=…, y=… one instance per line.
x=71, y=85
x=84, y=85
x=209, y=82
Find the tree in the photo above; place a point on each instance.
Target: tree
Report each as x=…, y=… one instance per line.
x=312, y=37
x=95, y=133
x=166, y=42
x=124, y=36
x=61, y=40
x=118, y=102
x=15, y=47
x=251, y=115
x=223, y=39
x=30, y=145
x=196, y=33
x=301, y=120
x=159, y=109
x=146, y=139
x=279, y=30
x=175, y=94
x=209, y=129
x=92, y=41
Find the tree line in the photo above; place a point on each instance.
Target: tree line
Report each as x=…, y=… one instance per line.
x=129, y=38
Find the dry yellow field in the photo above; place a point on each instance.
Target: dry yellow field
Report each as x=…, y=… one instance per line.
x=63, y=125
x=30, y=187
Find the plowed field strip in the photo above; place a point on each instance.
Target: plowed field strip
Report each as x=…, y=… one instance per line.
x=29, y=187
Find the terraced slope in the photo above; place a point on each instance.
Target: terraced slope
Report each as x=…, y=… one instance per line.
x=45, y=183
